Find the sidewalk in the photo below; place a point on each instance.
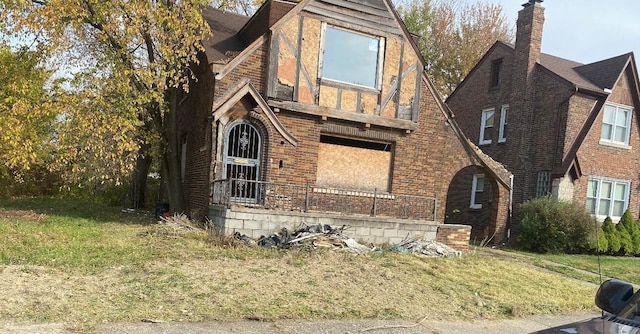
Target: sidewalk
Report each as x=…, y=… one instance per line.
x=516, y=326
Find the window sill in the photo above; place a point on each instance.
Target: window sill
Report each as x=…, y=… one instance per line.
x=349, y=86
x=614, y=144
x=600, y=218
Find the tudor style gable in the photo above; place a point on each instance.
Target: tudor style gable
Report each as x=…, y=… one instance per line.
x=345, y=59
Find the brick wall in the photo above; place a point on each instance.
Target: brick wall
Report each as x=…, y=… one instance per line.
x=194, y=123
x=424, y=161
x=602, y=160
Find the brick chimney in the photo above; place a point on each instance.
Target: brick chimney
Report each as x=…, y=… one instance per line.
x=527, y=54
x=529, y=36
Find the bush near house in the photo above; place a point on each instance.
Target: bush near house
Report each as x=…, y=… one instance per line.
x=551, y=226
x=622, y=238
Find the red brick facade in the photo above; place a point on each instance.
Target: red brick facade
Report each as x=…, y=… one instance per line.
x=555, y=116
x=427, y=149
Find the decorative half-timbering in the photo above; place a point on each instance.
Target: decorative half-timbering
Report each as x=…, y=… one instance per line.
x=323, y=107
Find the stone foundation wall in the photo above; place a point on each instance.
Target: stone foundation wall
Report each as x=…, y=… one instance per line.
x=377, y=230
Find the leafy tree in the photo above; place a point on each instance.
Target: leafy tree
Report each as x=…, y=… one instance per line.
x=134, y=53
x=26, y=112
x=455, y=34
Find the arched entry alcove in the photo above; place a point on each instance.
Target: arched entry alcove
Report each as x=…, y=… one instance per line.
x=472, y=199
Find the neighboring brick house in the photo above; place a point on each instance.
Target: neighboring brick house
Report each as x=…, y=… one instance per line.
x=323, y=106
x=562, y=128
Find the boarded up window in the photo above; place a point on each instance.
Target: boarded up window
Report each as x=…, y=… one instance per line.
x=353, y=164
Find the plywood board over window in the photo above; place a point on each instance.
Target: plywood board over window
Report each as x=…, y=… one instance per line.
x=353, y=164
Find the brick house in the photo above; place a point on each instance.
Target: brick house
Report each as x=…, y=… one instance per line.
x=564, y=129
x=319, y=111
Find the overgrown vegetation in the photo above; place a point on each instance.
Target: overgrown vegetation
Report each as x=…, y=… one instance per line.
x=83, y=263
x=551, y=226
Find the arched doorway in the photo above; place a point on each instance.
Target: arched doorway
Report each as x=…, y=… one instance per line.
x=242, y=157
x=473, y=199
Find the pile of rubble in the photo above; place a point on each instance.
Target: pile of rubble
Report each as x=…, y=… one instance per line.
x=326, y=236
x=314, y=236
x=425, y=247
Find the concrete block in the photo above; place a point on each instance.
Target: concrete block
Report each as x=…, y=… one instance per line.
x=377, y=232
x=244, y=215
x=390, y=232
x=234, y=224
x=359, y=231
x=252, y=225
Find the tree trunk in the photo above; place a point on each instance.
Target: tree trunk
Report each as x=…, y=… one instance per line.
x=171, y=156
x=139, y=179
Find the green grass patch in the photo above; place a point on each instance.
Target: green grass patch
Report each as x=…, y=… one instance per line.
x=83, y=263
x=622, y=267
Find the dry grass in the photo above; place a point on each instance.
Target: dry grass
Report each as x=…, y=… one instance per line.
x=138, y=274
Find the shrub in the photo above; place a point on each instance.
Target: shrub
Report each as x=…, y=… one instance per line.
x=631, y=225
x=548, y=225
x=626, y=244
x=600, y=244
x=611, y=233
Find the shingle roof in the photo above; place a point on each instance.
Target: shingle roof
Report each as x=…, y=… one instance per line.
x=605, y=73
x=595, y=76
x=232, y=32
x=225, y=27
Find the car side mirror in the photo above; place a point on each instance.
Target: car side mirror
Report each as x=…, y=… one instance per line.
x=613, y=295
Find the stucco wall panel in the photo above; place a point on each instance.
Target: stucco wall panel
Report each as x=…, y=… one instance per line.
x=309, y=58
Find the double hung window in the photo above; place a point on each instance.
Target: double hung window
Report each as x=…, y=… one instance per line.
x=502, y=134
x=616, y=123
x=486, y=126
x=477, y=191
x=607, y=197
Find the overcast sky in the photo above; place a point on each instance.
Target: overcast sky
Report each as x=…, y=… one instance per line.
x=585, y=30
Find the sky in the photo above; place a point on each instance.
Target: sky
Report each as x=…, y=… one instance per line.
x=585, y=31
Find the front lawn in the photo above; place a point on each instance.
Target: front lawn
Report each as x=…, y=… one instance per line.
x=83, y=263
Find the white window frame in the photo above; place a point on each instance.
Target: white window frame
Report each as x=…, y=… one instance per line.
x=504, y=112
x=380, y=56
x=486, y=114
x=614, y=182
x=614, y=126
x=478, y=179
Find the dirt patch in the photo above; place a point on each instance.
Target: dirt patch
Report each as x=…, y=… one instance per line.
x=21, y=214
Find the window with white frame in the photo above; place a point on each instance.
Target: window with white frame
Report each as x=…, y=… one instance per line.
x=607, y=197
x=351, y=57
x=486, y=127
x=616, y=123
x=502, y=133
x=477, y=191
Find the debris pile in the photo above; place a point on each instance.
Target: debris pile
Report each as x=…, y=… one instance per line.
x=328, y=237
x=313, y=236
x=173, y=226
x=425, y=247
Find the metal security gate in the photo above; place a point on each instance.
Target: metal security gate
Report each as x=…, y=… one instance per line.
x=242, y=162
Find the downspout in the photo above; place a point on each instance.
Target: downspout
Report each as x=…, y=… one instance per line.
x=509, y=222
